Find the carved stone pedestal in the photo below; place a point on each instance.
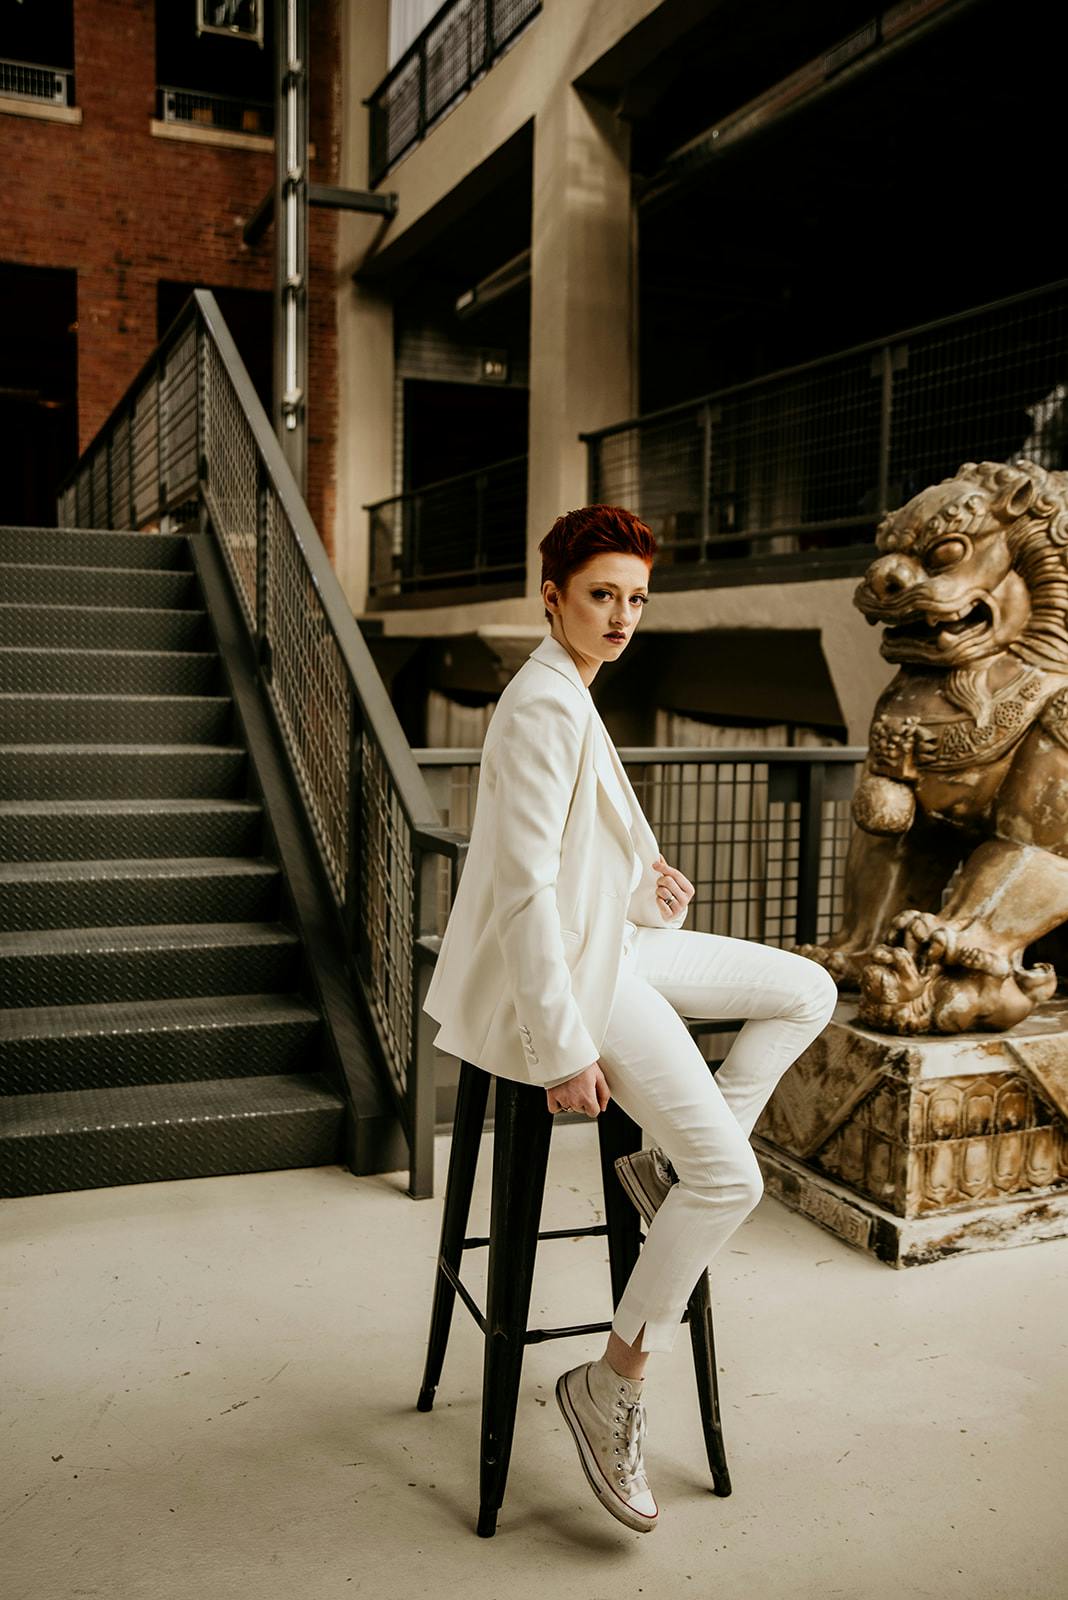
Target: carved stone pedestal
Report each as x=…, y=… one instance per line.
x=919, y=1148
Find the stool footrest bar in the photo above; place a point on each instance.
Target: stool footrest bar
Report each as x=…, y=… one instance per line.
x=600, y=1229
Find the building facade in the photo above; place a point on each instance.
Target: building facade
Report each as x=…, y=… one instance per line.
x=737, y=266
x=136, y=145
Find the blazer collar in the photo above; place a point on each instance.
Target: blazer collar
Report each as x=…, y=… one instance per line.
x=553, y=654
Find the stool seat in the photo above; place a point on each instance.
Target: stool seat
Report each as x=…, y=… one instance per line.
x=521, y=1133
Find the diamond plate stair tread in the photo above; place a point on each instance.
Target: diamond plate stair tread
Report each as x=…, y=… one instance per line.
x=155, y=936
x=216, y=1012
x=91, y=547
x=27, y=670
x=73, y=894
x=103, y=627
x=119, y=771
x=68, y=830
x=82, y=966
x=143, y=1105
x=97, y=586
x=47, y=1049
x=115, y=718
x=157, y=1132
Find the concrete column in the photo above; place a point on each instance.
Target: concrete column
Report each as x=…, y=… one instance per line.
x=364, y=316
x=582, y=339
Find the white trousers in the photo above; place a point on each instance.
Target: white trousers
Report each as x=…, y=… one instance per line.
x=659, y=1077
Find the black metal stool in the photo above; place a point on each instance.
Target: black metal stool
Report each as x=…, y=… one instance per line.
x=522, y=1128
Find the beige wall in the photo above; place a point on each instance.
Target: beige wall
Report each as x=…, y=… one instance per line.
x=364, y=318
x=850, y=646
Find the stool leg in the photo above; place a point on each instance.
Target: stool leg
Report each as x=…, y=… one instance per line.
x=521, y=1129
x=618, y=1135
x=471, y=1095
x=704, y=1362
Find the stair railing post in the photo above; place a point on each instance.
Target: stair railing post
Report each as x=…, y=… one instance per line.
x=263, y=642
x=420, y=1088
x=810, y=788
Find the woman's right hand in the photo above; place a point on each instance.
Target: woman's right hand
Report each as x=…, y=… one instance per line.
x=587, y=1091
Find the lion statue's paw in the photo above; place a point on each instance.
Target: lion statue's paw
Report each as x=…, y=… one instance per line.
x=896, y=996
x=843, y=965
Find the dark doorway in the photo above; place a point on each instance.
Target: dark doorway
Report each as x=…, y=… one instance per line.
x=247, y=314
x=451, y=428
x=38, y=390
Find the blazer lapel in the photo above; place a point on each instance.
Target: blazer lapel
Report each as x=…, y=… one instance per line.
x=552, y=653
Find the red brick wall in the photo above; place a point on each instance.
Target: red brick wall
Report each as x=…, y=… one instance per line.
x=126, y=209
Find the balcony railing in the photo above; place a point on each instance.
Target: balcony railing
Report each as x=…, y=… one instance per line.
x=810, y=458
x=23, y=80
x=457, y=46
x=462, y=533
x=229, y=113
x=762, y=834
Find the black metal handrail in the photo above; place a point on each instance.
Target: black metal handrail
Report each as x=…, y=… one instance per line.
x=189, y=440
x=468, y=530
x=461, y=41
x=796, y=459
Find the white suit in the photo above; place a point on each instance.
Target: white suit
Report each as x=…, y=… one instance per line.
x=556, y=956
x=560, y=858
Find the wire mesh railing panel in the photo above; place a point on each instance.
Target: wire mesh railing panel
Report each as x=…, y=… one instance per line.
x=83, y=501
x=466, y=530
x=451, y=53
x=311, y=692
x=386, y=907
x=455, y=51
x=145, y=454
x=98, y=489
x=121, y=485
x=813, y=457
x=232, y=477
x=715, y=818
x=178, y=419
x=995, y=389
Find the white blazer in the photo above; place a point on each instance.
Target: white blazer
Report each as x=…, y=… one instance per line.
x=527, y=967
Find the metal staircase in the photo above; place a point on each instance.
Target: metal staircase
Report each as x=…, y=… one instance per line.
x=157, y=1014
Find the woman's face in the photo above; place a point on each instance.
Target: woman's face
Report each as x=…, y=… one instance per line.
x=600, y=608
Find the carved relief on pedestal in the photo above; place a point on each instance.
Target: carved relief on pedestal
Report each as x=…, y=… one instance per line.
x=970, y=1141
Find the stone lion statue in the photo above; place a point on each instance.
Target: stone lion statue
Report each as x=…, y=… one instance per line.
x=959, y=858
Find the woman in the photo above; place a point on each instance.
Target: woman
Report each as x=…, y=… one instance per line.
x=564, y=963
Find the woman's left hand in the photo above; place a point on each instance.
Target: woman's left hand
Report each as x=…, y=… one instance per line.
x=673, y=889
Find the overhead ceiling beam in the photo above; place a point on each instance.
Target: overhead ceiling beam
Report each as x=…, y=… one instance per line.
x=887, y=34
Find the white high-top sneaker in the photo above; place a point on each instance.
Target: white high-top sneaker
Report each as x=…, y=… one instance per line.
x=647, y=1176
x=607, y=1419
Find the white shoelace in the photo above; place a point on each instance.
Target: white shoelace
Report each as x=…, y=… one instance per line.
x=631, y=1467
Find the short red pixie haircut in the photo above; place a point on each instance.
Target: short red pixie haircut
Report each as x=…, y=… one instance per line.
x=578, y=536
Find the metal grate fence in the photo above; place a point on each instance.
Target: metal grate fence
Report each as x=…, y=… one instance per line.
x=464, y=531
x=762, y=835
x=190, y=429
x=813, y=457
x=460, y=43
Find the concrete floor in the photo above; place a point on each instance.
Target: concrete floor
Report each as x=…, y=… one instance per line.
x=209, y=1391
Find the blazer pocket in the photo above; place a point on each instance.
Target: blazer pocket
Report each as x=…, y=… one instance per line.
x=569, y=933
